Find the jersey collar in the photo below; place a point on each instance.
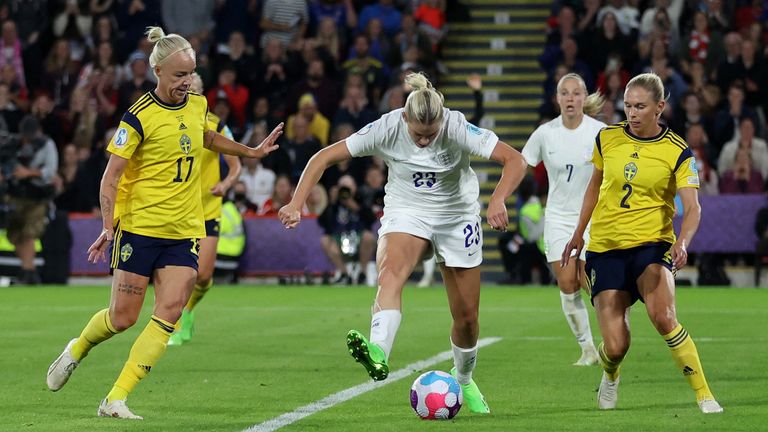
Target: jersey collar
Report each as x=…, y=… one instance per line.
x=157, y=100
x=656, y=137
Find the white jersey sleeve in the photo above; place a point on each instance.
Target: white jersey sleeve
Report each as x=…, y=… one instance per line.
x=533, y=148
x=474, y=140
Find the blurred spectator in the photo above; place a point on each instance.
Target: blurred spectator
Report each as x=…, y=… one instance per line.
x=235, y=16
x=16, y=91
x=702, y=45
x=757, y=148
x=409, y=37
x=47, y=116
x=729, y=68
x=73, y=21
x=674, y=9
x=82, y=116
x=273, y=74
x=699, y=84
x=319, y=126
x=232, y=238
x=137, y=84
x=430, y=15
x=10, y=115
x=103, y=30
x=328, y=37
x=340, y=12
x=236, y=94
x=317, y=201
x=10, y=48
x=102, y=59
x=60, y=73
x=134, y=17
x=688, y=114
x=563, y=26
x=753, y=73
x=613, y=109
x=31, y=191
x=726, y=121
x=347, y=231
x=392, y=99
x=742, y=178
x=612, y=42
x=627, y=16
x=354, y=109
x=316, y=83
x=235, y=53
x=697, y=140
x=568, y=56
x=259, y=181
x=381, y=45
x=300, y=148
x=284, y=20
x=371, y=193
x=260, y=116
x=385, y=11
x=76, y=185
x=370, y=69
x=188, y=17
x=31, y=18
x=244, y=206
x=283, y=191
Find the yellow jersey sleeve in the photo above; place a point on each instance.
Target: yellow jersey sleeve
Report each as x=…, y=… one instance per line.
x=686, y=173
x=597, y=154
x=128, y=136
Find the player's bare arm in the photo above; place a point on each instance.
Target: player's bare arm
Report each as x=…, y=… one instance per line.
x=511, y=176
x=234, y=166
x=219, y=143
x=107, y=195
x=290, y=214
x=691, y=218
x=587, y=207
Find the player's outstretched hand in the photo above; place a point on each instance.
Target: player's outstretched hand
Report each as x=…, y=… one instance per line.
x=475, y=82
x=679, y=255
x=289, y=216
x=497, y=215
x=98, y=249
x=268, y=145
x=576, y=243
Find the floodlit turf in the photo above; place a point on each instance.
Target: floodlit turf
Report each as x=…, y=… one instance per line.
x=263, y=351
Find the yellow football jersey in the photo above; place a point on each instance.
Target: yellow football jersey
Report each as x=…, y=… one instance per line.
x=211, y=170
x=159, y=192
x=640, y=180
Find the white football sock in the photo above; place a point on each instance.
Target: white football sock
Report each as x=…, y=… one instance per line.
x=578, y=319
x=464, y=359
x=384, y=325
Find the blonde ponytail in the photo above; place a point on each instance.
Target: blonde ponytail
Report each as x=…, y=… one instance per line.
x=593, y=105
x=165, y=45
x=424, y=104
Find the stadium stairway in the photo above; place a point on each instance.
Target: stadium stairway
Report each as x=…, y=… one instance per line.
x=501, y=42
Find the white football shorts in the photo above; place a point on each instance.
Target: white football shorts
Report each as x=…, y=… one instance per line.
x=457, y=240
x=557, y=235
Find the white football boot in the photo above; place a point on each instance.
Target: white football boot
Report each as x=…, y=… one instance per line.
x=710, y=406
x=61, y=368
x=608, y=393
x=589, y=357
x=117, y=409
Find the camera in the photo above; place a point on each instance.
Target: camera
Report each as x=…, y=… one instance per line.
x=345, y=193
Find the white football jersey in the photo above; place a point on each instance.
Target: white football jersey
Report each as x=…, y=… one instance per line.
x=567, y=155
x=436, y=178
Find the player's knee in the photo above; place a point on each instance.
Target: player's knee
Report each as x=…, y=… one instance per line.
x=122, y=320
x=663, y=319
x=616, y=349
x=568, y=284
x=204, y=277
x=467, y=320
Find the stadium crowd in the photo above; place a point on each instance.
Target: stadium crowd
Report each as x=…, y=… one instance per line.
x=711, y=56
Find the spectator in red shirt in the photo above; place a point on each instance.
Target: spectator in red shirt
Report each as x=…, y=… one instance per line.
x=237, y=94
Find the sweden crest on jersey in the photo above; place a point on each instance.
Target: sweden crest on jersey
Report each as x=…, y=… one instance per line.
x=630, y=171
x=185, y=143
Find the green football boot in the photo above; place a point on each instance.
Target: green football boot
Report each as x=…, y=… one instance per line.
x=370, y=355
x=472, y=397
x=175, y=339
x=187, y=325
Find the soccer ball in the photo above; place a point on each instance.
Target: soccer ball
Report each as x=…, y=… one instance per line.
x=436, y=395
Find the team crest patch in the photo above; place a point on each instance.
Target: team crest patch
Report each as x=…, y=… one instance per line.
x=185, y=143
x=474, y=129
x=125, y=252
x=444, y=159
x=694, y=168
x=121, y=137
x=630, y=171
x=365, y=129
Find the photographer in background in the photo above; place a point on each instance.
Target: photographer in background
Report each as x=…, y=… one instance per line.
x=30, y=189
x=347, y=231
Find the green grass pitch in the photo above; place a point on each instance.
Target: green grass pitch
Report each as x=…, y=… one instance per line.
x=262, y=351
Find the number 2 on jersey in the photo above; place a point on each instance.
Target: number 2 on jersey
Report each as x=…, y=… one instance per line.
x=179, y=161
x=627, y=187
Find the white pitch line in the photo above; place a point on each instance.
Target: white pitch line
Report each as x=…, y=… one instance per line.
x=345, y=395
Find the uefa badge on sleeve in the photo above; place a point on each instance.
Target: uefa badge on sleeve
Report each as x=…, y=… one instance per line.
x=121, y=137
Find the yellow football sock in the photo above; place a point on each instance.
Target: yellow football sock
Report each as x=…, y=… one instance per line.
x=611, y=367
x=687, y=358
x=145, y=352
x=197, y=294
x=98, y=329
